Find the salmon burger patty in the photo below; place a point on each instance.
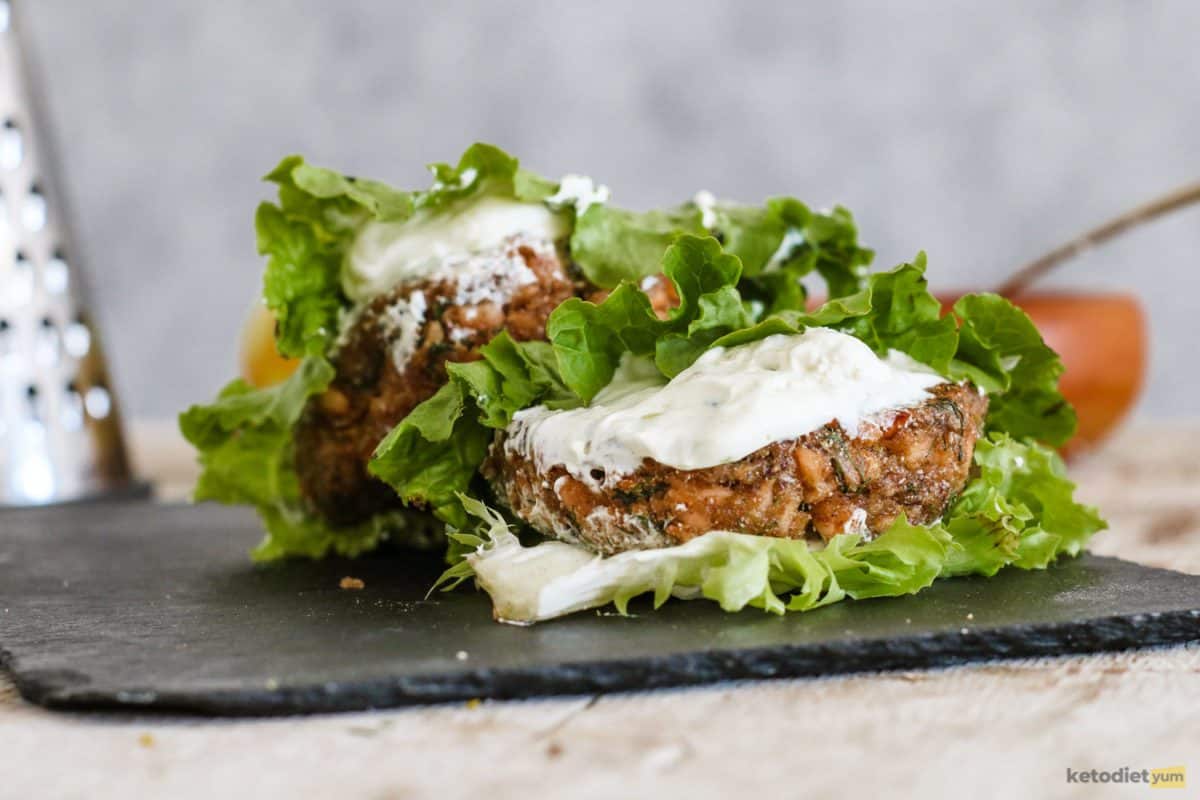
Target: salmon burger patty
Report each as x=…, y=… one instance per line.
x=392, y=355
x=911, y=460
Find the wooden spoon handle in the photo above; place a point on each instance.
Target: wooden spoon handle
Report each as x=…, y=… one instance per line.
x=1020, y=280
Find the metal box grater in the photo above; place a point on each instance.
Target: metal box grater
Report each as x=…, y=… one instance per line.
x=60, y=434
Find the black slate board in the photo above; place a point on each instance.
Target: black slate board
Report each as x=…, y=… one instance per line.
x=138, y=606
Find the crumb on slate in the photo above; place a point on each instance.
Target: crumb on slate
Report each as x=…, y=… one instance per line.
x=352, y=583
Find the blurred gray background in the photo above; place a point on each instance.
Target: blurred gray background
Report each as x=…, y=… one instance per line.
x=982, y=132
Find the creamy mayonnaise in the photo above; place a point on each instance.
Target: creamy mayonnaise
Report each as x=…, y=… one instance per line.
x=401, y=324
x=706, y=202
x=792, y=239
x=579, y=191
x=386, y=253
x=729, y=403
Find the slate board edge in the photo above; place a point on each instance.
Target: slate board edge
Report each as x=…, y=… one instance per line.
x=63, y=689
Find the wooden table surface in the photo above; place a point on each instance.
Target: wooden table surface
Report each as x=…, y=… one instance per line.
x=1000, y=729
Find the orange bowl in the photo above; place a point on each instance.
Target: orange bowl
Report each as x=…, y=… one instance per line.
x=261, y=365
x=1102, y=340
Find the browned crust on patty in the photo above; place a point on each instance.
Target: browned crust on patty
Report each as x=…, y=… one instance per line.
x=912, y=461
x=370, y=394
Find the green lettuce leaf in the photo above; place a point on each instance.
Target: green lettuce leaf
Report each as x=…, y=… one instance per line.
x=305, y=237
x=778, y=244
x=612, y=245
x=484, y=169
x=904, y=316
x=1001, y=350
x=1019, y=512
x=434, y=453
x=241, y=437
x=893, y=311
x=787, y=243
x=244, y=443
x=589, y=340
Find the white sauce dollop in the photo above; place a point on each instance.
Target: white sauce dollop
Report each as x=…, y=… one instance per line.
x=401, y=323
x=706, y=202
x=579, y=191
x=729, y=403
x=792, y=239
x=386, y=253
